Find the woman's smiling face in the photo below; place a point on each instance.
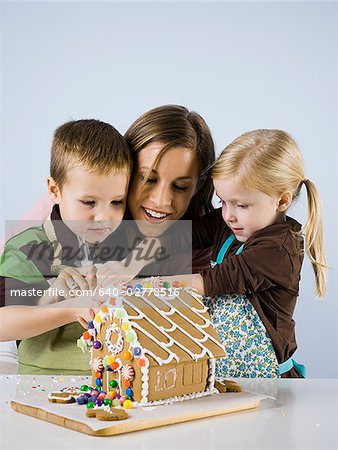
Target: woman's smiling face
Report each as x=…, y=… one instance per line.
x=166, y=194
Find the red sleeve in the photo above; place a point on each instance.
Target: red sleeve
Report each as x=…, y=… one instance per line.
x=262, y=265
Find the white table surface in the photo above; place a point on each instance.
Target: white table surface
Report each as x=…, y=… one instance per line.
x=303, y=416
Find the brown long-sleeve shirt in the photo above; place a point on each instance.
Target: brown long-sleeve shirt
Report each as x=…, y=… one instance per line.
x=267, y=272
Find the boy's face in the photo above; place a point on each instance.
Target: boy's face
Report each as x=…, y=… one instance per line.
x=92, y=205
x=246, y=211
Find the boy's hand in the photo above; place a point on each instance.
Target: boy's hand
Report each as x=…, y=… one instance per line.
x=114, y=273
x=75, y=279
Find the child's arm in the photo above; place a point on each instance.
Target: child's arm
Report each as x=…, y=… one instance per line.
x=260, y=266
x=22, y=322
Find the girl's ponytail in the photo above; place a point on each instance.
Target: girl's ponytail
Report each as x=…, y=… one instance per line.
x=314, y=237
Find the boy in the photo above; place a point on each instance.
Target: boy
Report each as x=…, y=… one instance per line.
x=88, y=184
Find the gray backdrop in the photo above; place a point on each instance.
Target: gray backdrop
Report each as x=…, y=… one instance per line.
x=241, y=65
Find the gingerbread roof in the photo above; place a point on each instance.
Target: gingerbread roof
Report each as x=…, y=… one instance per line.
x=171, y=329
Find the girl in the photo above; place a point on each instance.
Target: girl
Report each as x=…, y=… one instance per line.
x=253, y=279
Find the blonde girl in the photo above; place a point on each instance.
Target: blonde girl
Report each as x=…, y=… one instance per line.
x=252, y=282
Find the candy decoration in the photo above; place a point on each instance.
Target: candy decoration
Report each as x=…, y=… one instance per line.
x=108, y=369
x=131, y=336
x=82, y=400
x=147, y=285
x=176, y=284
x=129, y=392
x=120, y=313
x=98, y=374
x=107, y=402
x=97, y=345
x=126, y=326
x=84, y=388
x=113, y=393
x=90, y=405
x=110, y=360
x=127, y=383
x=128, y=372
x=87, y=336
x=127, y=356
x=127, y=404
x=113, y=383
x=98, y=319
x=94, y=392
x=97, y=364
x=138, y=287
x=166, y=285
x=98, y=382
x=137, y=351
x=98, y=402
x=184, y=283
x=141, y=362
x=112, y=301
x=90, y=325
x=104, y=309
x=115, y=366
x=130, y=287
x=116, y=402
x=122, y=399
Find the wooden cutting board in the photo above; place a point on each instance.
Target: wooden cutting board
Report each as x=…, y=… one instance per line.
x=73, y=416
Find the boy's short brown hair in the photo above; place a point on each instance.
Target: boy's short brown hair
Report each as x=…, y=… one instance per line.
x=96, y=145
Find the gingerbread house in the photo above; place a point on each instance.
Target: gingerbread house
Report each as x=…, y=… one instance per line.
x=153, y=348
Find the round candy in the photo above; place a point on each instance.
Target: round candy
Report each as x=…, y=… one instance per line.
x=141, y=362
x=129, y=392
x=120, y=313
x=125, y=326
x=122, y=399
x=98, y=374
x=127, y=356
x=98, y=382
x=106, y=401
x=87, y=336
x=128, y=372
x=110, y=360
x=113, y=393
x=116, y=402
x=84, y=388
x=112, y=301
x=98, y=319
x=127, y=383
x=94, y=392
x=130, y=337
x=82, y=400
x=98, y=402
x=138, y=287
x=184, y=283
x=97, y=345
x=137, y=351
x=127, y=404
x=90, y=325
x=104, y=309
x=108, y=368
x=101, y=395
x=166, y=285
x=113, y=383
x=147, y=285
x=176, y=284
x=90, y=405
x=115, y=365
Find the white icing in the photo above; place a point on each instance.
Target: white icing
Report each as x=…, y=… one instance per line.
x=114, y=348
x=165, y=384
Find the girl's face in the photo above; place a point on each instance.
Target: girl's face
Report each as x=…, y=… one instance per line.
x=166, y=194
x=246, y=211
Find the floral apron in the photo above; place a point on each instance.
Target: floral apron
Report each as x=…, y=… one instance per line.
x=248, y=347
